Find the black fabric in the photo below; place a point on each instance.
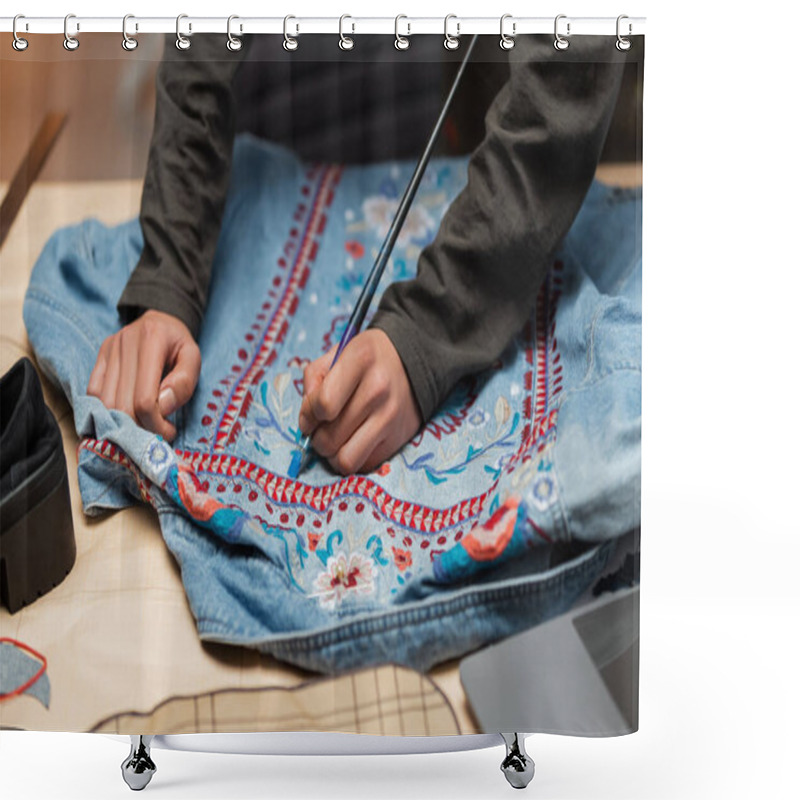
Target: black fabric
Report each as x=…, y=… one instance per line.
x=477, y=282
x=28, y=431
x=188, y=169
x=342, y=109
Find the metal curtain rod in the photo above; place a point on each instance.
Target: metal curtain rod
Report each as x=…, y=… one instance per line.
x=408, y=26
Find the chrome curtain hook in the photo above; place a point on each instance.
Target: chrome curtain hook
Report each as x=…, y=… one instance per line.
x=70, y=42
x=623, y=44
x=506, y=41
x=19, y=44
x=560, y=43
x=128, y=42
x=401, y=42
x=181, y=42
x=451, y=42
x=345, y=42
x=234, y=44
x=289, y=43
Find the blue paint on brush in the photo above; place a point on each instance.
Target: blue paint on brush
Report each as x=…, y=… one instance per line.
x=299, y=458
x=294, y=467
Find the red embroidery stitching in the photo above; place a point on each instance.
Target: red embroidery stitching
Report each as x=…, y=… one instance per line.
x=272, y=333
x=323, y=499
x=540, y=419
x=108, y=451
x=418, y=518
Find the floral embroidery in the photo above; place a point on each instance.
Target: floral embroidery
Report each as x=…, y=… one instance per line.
x=379, y=213
x=478, y=433
x=198, y=503
x=157, y=452
x=269, y=423
x=487, y=542
x=478, y=418
x=234, y=393
x=344, y=576
x=402, y=558
x=543, y=492
x=158, y=458
x=354, y=248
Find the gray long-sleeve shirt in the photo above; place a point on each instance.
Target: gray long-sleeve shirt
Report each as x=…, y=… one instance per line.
x=477, y=281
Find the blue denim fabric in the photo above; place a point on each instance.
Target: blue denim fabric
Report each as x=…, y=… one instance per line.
x=501, y=512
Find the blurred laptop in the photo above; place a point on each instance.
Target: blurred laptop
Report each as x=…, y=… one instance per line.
x=577, y=674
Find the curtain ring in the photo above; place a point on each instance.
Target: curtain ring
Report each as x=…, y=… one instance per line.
x=401, y=42
x=451, y=42
x=128, y=42
x=289, y=43
x=623, y=44
x=234, y=43
x=506, y=41
x=345, y=42
x=560, y=43
x=181, y=42
x=19, y=44
x=70, y=42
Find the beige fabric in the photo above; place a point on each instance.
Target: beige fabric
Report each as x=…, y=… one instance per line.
x=387, y=700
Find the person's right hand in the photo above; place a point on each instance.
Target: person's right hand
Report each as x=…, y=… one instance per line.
x=147, y=369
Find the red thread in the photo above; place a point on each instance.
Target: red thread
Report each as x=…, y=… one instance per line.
x=31, y=680
x=277, y=327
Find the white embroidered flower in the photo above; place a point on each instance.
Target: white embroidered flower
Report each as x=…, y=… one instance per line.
x=379, y=212
x=158, y=459
x=157, y=453
x=478, y=418
x=344, y=576
x=543, y=492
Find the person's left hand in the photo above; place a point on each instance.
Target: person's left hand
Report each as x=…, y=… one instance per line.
x=363, y=410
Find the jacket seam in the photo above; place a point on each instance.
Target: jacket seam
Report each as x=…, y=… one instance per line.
x=386, y=623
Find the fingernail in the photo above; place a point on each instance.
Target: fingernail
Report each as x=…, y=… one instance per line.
x=302, y=423
x=166, y=402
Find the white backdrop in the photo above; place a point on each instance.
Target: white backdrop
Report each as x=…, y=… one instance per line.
x=720, y=613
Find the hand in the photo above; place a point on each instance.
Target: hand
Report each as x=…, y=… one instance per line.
x=363, y=410
x=129, y=372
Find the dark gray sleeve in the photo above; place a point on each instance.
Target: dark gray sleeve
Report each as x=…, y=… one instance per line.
x=186, y=180
x=477, y=281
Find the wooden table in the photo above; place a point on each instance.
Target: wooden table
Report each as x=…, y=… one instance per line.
x=120, y=640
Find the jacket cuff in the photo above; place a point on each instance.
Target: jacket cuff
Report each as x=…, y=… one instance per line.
x=404, y=335
x=137, y=298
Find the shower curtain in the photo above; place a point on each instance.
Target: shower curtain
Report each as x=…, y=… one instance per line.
x=185, y=233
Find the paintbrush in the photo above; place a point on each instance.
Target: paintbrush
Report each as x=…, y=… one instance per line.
x=300, y=456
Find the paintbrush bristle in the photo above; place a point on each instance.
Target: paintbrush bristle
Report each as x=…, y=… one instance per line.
x=294, y=466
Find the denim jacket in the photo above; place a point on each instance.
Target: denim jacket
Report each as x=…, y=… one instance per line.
x=496, y=516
